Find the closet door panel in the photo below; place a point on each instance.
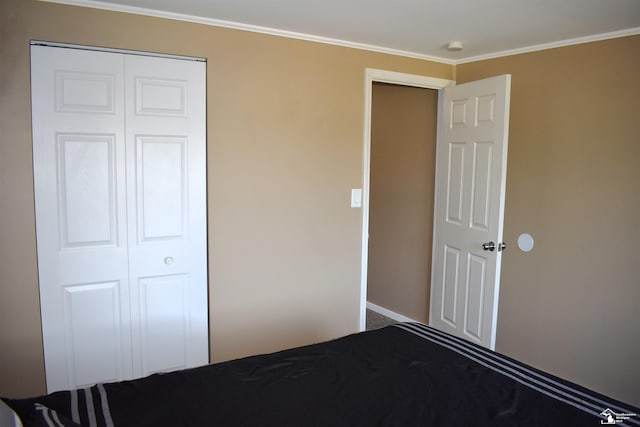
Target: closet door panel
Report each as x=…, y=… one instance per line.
x=87, y=192
x=79, y=188
x=167, y=204
x=93, y=332
x=164, y=317
x=162, y=200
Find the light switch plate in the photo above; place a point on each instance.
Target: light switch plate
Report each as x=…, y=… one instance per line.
x=356, y=197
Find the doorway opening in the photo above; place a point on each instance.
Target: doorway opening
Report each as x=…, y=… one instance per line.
x=374, y=219
x=403, y=150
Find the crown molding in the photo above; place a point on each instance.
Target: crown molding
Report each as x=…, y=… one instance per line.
x=552, y=45
x=248, y=27
x=95, y=4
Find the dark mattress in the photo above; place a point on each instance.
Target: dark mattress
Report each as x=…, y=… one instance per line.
x=402, y=375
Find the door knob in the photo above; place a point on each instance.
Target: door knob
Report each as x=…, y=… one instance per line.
x=168, y=260
x=490, y=246
x=502, y=246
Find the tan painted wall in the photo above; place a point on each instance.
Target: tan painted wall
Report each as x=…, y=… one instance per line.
x=403, y=141
x=571, y=305
x=285, y=141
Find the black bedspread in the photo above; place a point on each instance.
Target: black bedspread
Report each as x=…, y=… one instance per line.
x=403, y=375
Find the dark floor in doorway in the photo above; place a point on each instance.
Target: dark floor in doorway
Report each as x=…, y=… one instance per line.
x=377, y=320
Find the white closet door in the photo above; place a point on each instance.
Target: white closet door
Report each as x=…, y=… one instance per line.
x=167, y=212
x=120, y=190
x=79, y=183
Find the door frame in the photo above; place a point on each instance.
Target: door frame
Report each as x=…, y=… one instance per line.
x=383, y=76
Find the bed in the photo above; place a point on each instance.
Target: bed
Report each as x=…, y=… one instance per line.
x=402, y=375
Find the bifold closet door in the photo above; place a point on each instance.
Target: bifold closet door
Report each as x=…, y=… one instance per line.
x=166, y=201
x=119, y=182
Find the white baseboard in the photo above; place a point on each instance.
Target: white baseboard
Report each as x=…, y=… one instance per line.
x=388, y=313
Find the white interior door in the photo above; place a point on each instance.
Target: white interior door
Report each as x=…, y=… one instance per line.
x=471, y=165
x=119, y=182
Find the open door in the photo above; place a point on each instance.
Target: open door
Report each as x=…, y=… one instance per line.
x=471, y=165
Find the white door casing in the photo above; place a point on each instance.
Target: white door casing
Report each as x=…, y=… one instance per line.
x=119, y=183
x=391, y=77
x=471, y=162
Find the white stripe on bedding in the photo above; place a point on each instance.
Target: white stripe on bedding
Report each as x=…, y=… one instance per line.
x=105, y=406
x=519, y=373
x=512, y=366
x=75, y=412
x=46, y=415
x=55, y=417
x=90, y=409
x=483, y=362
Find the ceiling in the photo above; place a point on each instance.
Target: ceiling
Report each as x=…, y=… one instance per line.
x=416, y=28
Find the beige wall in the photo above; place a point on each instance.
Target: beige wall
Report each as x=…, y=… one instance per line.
x=571, y=305
x=403, y=141
x=285, y=141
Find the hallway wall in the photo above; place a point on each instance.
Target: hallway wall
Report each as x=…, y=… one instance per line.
x=403, y=138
